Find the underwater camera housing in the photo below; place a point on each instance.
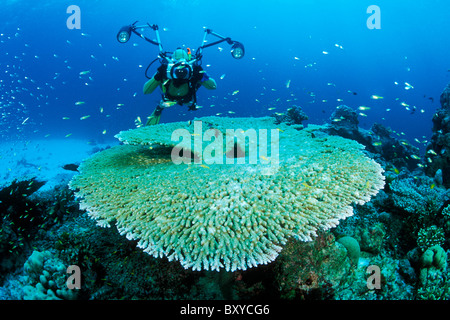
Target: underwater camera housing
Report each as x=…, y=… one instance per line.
x=181, y=70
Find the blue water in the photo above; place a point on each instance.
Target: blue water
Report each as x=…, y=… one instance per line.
x=41, y=60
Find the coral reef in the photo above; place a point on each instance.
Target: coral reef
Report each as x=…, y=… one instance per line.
x=308, y=269
x=293, y=116
x=430, y=237
x=353, y=248
x=378, y=140
x=404, y=230
x=219, y=217
x=47, y=278
x=433, y=283
x=20, y=220
x=438, y=150
x=417, y=198
x=44, y=278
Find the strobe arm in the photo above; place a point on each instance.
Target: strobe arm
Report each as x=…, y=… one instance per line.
x=125, y=33
x=237, y=49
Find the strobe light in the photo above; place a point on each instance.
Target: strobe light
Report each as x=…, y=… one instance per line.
x=124, y=34
x=237, y=50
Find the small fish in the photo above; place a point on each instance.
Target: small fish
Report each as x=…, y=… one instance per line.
x=168, y=104
x=222, y=76
x=432, y=186
x=377, y=144
x=415, y=157
x=79, y=103
x=288, y=83
x=104, y=132
x=23, y=122
x=204, y=166
x=264, y=158
x=362, y=114
x=235, y=92
x=68, y=135
x=66, y=118
x=375, y=97
x=408, y=86
x=231, y=112
x=431, y=151
x=84, y=117
x=280, y=130
x=270, y=109
x=82, y=73
x=363, y=108
x=404, y=104
x=324, y=52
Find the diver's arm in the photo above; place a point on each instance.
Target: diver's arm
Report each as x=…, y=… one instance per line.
x=201, y=77
x=151, y=85
x=210, y=84
x=156, y=80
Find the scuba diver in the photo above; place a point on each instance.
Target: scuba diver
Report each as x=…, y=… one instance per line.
x=180, y=74
x=179, y=82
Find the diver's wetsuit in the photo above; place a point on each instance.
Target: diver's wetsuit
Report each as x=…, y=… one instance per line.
x=198, y=75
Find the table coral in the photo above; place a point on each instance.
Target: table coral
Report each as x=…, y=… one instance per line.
x=220, y=215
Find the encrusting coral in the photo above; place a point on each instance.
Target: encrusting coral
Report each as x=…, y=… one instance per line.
x=232, y=216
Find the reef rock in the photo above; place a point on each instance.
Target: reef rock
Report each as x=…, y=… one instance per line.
x=312, y=269
x=438, y=150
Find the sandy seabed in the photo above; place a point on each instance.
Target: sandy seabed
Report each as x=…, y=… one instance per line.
x=44, y=159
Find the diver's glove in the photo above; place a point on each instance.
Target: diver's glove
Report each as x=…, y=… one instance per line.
x=160, y=74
